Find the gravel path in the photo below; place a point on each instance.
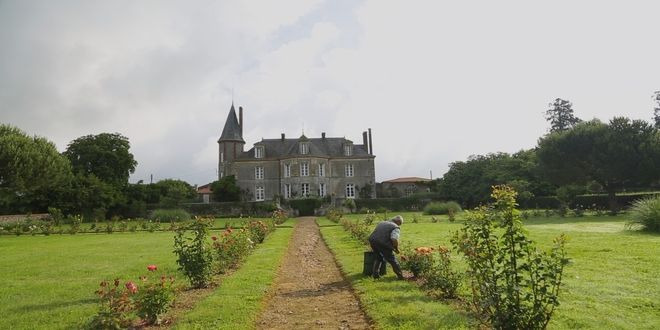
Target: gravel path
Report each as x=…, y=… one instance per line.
x=309, y=291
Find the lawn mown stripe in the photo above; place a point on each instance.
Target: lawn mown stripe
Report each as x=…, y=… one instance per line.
x=235, y=304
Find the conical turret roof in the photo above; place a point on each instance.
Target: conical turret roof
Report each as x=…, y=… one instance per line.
x=232, y=130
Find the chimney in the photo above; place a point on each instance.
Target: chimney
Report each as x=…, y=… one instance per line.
x=282, y=136
x=365, y=141
x=371, y=146
x=323, y=135
x=240, y=119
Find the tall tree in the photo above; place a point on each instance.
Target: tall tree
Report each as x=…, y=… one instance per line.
x=621, y=154
x=656, y=110
x=32, y=171
x=560, y=115
x=105, y=155
x=226, y=189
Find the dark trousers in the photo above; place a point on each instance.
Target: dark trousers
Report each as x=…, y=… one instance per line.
x=383, y=254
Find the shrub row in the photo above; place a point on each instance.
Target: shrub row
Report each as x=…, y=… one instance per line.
x=231, y=209
x=584, y=201
x=437, y=208
x=198, y=258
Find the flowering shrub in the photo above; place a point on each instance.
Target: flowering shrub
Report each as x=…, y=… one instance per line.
x=335, y=214
x=194, y=255
x=115, y=306
x=76, y=221
x=514, y=285
x=155, y=297
x=279, y=216
x=440, y=279
x=231, y=248
x=369, y=218
x=358, y=229
x=418, y=260
x=259, y=229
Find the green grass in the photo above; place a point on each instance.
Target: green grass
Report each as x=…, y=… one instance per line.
x=49, y=281
x=612, y=281
x=236, y=303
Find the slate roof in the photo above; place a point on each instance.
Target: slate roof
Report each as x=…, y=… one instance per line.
x=318, y=147
x=412, y=179
x=232, y=130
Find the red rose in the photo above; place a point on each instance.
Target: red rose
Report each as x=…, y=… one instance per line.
x=131, y=287
x=215, y=238
x=151, y=268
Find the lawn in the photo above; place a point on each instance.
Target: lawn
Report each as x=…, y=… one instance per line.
x=612, y=281
x=49, y=281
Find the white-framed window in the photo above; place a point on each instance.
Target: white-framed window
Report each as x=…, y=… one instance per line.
x=258, y=152
x=287, y=170
x=287, y=190
x=259, y=172
x=348, y=170
x=322, y=190
x=259, y=194
x=304, y=169
x=222, y=157
x=348, y=150
x=304, y=148
x=410, y=189
x=322, y=169
x=304, y=189
x=350, y=190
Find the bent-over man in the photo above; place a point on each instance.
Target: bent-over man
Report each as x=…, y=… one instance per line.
x=384, y=240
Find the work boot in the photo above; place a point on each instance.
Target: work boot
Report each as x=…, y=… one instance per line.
x=375, y=271
x=397, y=270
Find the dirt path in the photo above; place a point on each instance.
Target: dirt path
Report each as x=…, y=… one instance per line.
x=309, y=291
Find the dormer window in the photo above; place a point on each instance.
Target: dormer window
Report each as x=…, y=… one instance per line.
x=348, y=150
x=258, y=152
x=304, y=148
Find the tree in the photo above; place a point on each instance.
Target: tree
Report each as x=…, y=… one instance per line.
x=656, y=110
x=32, y=171
x=617, y=155
x=226, y=189
x=173, y=192
x=105, y=155
x=561, y=115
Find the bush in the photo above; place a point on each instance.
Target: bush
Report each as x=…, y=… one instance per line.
x=645, y=215
x=335, y=214
x=115, y=306
x=359, y=230
x=194, y=254
x=437, y=208
x=164, y=215
x=305, y=206
x=440, y=279
x=349, y=203
x=259, y=229
x=514, y=285
x=418, y=260
x=231, y=248
x=155, y=297
x=279, y=216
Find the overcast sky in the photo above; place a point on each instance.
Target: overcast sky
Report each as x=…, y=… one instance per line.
x=436, y=81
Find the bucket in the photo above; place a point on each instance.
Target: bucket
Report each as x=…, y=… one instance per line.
x=369, y=264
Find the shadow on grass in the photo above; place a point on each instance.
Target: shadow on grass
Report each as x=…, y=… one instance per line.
x=53, y=305
x=572, y=220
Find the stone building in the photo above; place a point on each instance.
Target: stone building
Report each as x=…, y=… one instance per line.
x=296, y=168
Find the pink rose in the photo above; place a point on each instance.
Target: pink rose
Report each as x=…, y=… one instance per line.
x=151, y=268
x=131, y=287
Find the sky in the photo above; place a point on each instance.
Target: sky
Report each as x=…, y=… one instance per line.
x=436, y=81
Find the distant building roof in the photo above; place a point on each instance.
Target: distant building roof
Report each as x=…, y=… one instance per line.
x=411, y=179
x=205, y=189
x=320, y=147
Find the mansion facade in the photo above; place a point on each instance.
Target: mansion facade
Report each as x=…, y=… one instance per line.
x=296, y=168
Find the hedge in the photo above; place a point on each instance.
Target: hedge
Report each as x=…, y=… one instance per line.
x=231, y=209
x=587, y=201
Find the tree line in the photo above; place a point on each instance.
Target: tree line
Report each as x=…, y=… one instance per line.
x=574, y=157
x=89, y=178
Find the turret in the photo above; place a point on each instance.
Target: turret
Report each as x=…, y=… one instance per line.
x=231, y=143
